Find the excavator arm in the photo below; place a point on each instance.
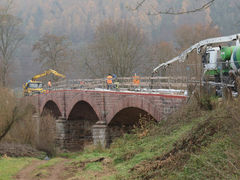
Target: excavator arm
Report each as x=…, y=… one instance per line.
x=50, y=71
x=182, y=57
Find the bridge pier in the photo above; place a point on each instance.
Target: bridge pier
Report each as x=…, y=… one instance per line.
x=73, y=134
x=36, y=121
x=61, y=132
x=100, y=133
x=76, y=134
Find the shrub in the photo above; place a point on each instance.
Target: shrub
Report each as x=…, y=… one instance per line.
x=16, y=125
x=47, y=135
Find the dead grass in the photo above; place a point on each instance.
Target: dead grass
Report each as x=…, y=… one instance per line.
x=20, y=150
x=180, y=153
x=16, y=125
x=47, y=135
x=7, y=108
x=23, y=129
x=17, y=129
x=144, y=126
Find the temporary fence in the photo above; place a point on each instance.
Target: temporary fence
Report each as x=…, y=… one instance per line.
x=178, y=77
x=127, y=83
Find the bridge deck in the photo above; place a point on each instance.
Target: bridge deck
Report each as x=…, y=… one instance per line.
x=155, y=92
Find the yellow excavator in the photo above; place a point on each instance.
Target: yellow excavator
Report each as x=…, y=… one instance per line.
x=33, y=86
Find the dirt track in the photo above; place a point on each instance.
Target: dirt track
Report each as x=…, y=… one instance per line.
x=25, y=173
x=53, y=173
x=64, y=169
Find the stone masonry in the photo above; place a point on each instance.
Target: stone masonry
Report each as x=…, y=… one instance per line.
x=106, y=105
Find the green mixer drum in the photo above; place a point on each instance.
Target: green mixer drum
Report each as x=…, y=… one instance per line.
x=226, y=52
x=236, y=57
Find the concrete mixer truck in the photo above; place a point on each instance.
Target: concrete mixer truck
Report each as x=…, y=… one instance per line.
x=221, y=63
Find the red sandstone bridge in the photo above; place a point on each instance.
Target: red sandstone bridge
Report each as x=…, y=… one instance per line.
x=84, y=115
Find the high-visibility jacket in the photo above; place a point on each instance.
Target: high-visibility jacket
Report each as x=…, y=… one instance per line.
x=49, y=84
x=109, y=79
x=136, y=80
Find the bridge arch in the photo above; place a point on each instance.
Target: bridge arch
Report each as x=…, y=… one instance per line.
x=125, y=119
x=83, y=98
x=139, y=104
x=50, y=98
x=127, y=113
x=52, y=108
x=80, y=120
x=129, y=116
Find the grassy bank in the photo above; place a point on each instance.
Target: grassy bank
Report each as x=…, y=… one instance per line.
x=9, y=167
x=194, y=143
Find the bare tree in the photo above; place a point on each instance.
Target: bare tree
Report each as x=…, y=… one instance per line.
x=171, y=10
x=54, y=52
x=186, y=36
x=15, y=118
x=10, y=38
x=118, y=48
x=162, y=51
x=8, y=111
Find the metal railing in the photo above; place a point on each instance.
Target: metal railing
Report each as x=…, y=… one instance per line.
x=172, y=79
x=174, y=84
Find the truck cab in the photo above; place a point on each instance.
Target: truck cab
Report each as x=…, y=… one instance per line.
x=33, y=87
x=210, y=59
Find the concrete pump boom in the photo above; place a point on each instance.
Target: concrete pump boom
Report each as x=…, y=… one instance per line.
x=182, y=57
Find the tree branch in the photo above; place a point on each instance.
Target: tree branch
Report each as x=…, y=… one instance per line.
x=171, y=11
x=139, y=4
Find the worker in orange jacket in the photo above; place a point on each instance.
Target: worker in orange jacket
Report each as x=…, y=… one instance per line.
x=49, y=84
x=109, y=81
x=136, y=80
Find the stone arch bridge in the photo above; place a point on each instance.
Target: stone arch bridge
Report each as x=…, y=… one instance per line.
x=86, y=116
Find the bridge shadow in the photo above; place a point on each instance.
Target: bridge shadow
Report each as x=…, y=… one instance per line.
x=47, y=128
x=125, y=120
x=51, y=108
x=80, y=121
